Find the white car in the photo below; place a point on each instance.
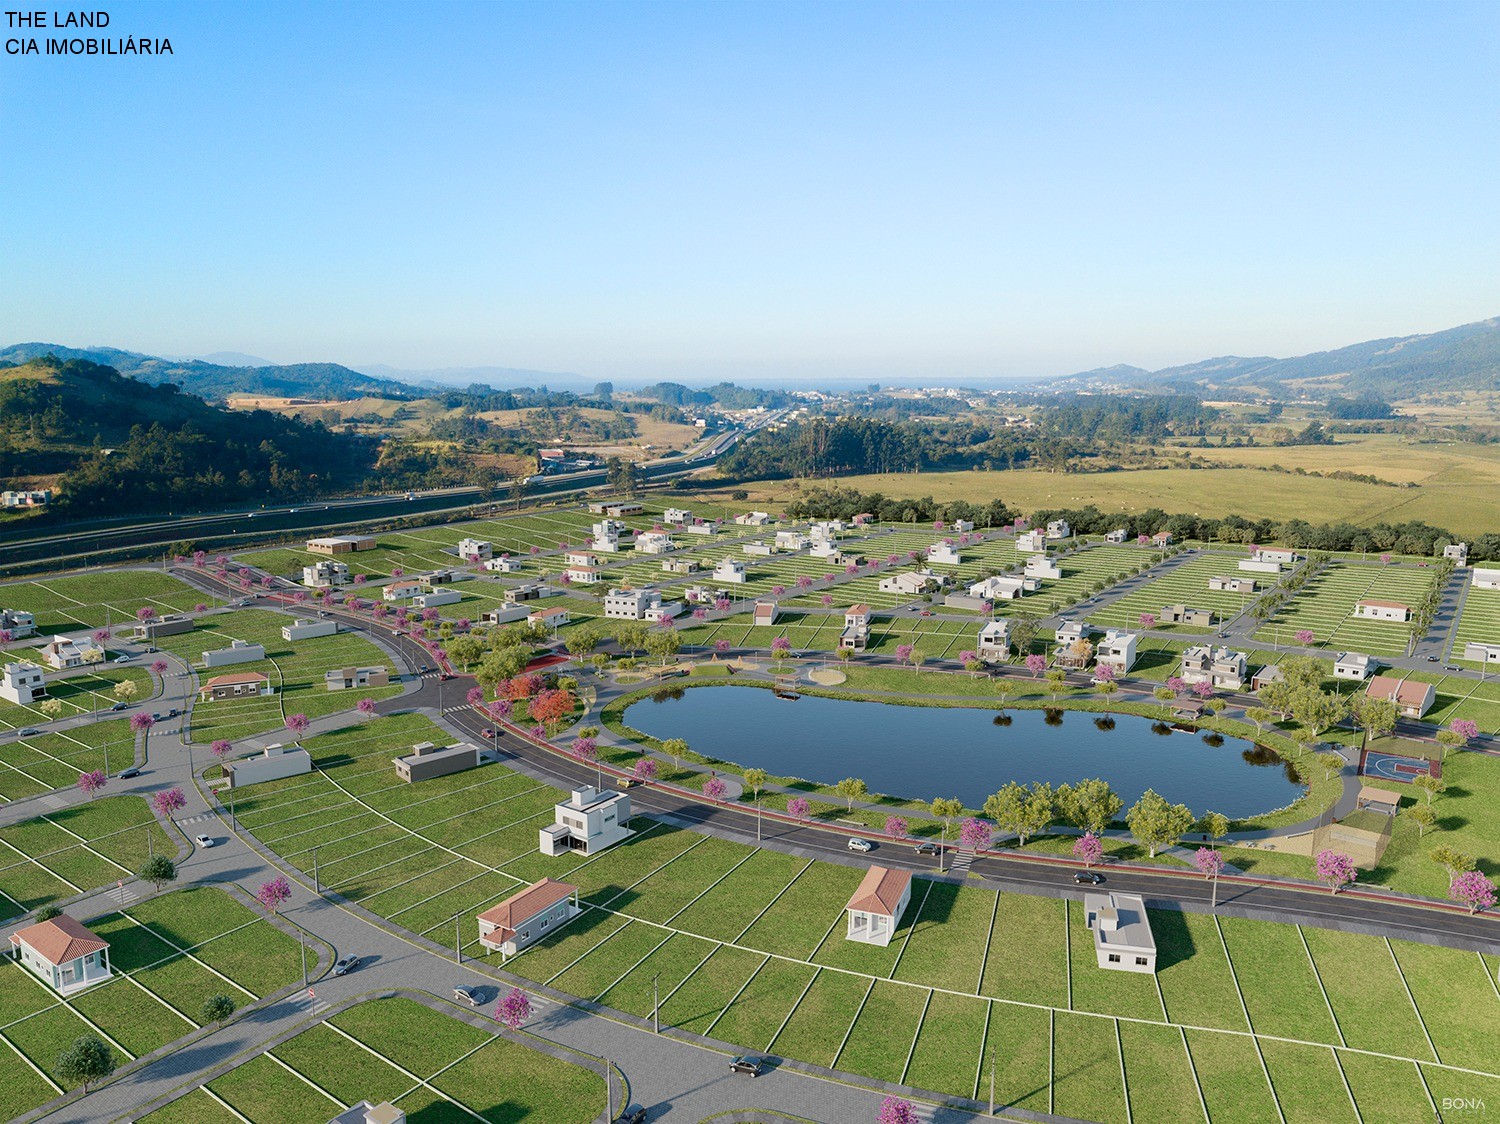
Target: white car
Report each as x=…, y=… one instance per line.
x=204, y=840
x=858, y=844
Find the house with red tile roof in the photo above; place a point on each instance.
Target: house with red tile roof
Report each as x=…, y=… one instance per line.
x=1377, y=610
x=236, y=685
x=1412, y=698
x=875, y=910
x=62, y=954
x=527, y=916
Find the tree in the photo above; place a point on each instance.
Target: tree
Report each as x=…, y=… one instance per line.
x=1036, y=664
x=514, y=1009
x=975, y=835
x=46, y=913
x=86, y=1061
x=1210, y=864
x=365, y=708
x=755, y=780
x=1376, y=717
x=216, y=1008
x=1259, y=715
x=298, y=724
x=663, y=644
x=159, y=667
x=1473, y=889
x=1088, y=850
x=1454, y=860
x=51, y=707
x=631, y=636
x=1335, y=870
x=1215, y=825
x=124, y=691
x=90, y=783
x=851, y=789
x=274, y=894
x=714, y=788
x=1057, y=679
x=1090, y=805
x=159, y=870
x=904, y=651
x=946, y=809
x=676, y=749
x=551, y=707
x=798, y=807
x=894, y=1110
x=897, y=827
x=1157, y=823
x=1026, y=812
x=1423, y=816
x=1333, y=764
x=645, y=770
x=168, y=801
x=1304, y=636
x=1430, y=785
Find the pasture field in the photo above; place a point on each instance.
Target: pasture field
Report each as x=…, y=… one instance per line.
x=167, y=953
x=58, y=854
x=750, y=947
x=1325, y=606
x=1186, y=583
x=108, y=598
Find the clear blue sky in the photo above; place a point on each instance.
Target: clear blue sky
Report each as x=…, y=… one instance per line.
x=735, y=189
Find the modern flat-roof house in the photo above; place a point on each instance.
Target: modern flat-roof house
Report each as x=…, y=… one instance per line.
x=527, y=916
x=856, y=634
x=765, y=613
x=944, y=554
x=1231, y=585
x=64, y=652
x=432, y=598
x=1032, y=542
x=587, y=822
x=963, y=526
x=1276, y=554
x=606, y=535
x=1482, y=577
x=826, y=530
x=368, y=1112
x=1069, y=631
x=505, y=564
x=19, y=623
x=354, y=678
x=1412, y=699
x=1116, y=650
x=654, y=542
x=239, y=651
x=22, y=682
x=505, y=615
x=701, y=527
x=173, y=624
x=1457, y=553
x=325, y=574
x=526, y=591
x=341, y=544
x=679, y=565
x=752, y=519
x=26, y=497
x=273, y=763
x=1482, y=651
x=1266, y=675
x=1058, y=529
x=1376, y=610
x=426, y=761
x=1182, y=614
x=630, y=604
x=1225, y=668
x=763, y=549
x=1353, y=665
x=874, y=912
x=475, y=550
x=730, y=570
x=307, y=629
x=792, y=540
x=1256, y=565
x=1118, y=535
x=912, y=582
x=548, y=618
x=62, y=954
x=618, y=509
x=994, y=641
x=676, y=515
x=1000, y=588
x=235, y=685
x=1123, y=941
x=1040, y=566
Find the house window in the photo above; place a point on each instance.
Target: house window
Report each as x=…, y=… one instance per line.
x=1114, y=957
x=525, y=933
x=1141, y=960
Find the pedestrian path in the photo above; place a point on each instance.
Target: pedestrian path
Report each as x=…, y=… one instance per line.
x=962, y=861
x=307, y=1003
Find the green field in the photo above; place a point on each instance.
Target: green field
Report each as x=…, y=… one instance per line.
x=31, y=766
x=1184, y=584
x=79, y=692
x=1325, y=606
x=108, y=598
x=1480, y=622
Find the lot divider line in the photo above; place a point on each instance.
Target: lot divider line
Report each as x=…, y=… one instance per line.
x=668, y=922
x=189, y=956
x=226, y=1106
x=1343, y=1077
x=984, y=957
x=984, y=1041
x=27, y=859
x=1161, y=998
x=84, y=843
x=817, y=971
x=308, y=1081
x=911, y=1052
x=131, y=977
x=1124, y=1082
x=1422, y=1077
x=1193, y=1069
x=1485, y=968
x=700, y=841
x=1412, y=999
x=845, y=1040
x=663, y=1002
x=1339, y=1030
x=592, y=948
x=1051, y=1059
x=64, y=1004
x=1233, y=975
x=1068, y=946
x=654, y=949
x=401, y=1069
x=725, y=1009
x=906, y=941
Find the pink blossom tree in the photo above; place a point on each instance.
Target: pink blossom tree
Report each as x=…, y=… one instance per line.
x=1210, y=864
x=1142, y=539
x=1147, y=620
x=1335, y=870
x=700, y=614
x=159, y=667
x=201, y=607
x=141, y=723
x=904, y=651
x=1036, y=664
x=501, y=708
x=1088, y=850
x=721, y=646
x=586, y=750
x=1466, y=728
x=714, y=788
x=514, y=1009
x=1304, y=636
x=645, y=770
x=1385, y=559
x=298, y=724
x=168, y=801
x=365, y=708
x=145, y=614
x=220, y=749
x=101, y=636
x=804, y=582
x=975, y=835
x=897, y=827
x=274, y=894
x=778, y=590
x=90, y=783
x=200, y=558
x=1176, y=684
x=1104, y=672
x=1203, y=689
x=894, y=1110
x=827, y=600
x=1473, y=889
x=798, y=807
x=781, y=646
x=722, y=604
x=474, y=696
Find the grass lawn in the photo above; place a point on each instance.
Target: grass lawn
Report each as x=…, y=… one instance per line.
x=673, y=961
x=947, y=1055
x=1277, y=980
x=1365, y=989
x=346, y=1070
x=1325, y=606
x=1019, y=1041
x=700, y=1000
x=80, y=693
x=796, y=924
x=1387, y=1092
x=197, y=1107
x=507, y=1081
x=884, y=1031
x=1308, y=1084
x=611, y=959
x=753, y=1019
x=1027, y=960
x=730, y=907
x=551, y=955
x=1230, y=1074
x=1158, y=1075
x=266, y=1093
x=71, y=604
x=1449, y=986
x=1194, y=972
x=820, y=1021
x=948, y=941
x=1086, y=1076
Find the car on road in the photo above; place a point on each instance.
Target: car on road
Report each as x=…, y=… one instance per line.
x=323, y=613
x=858, y=844
x=423, y=670
x=156, y=718
x=1432, y=659
x=747, y=1063
x=120, y=706
x=926, y=612
x=1088, y=878
x=927, y=849
x=1451, y=667
x=29, y=732
x=447, y=675
x=126, y=774
x=345, y=965
x=486, y=733
x=636, y=1115
x=204, y=840
x=466, y=995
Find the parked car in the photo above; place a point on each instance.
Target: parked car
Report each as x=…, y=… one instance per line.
x=928, y=849
x=173, y=713
x=204, y=840
x=120, y=706
x=447, y=675
x=346, y=965
x=126, y=774
x=423, y=670
x=1088, y=877
x=926, y=612
x=466, y=995
x=636, y=1115
x=858, y=844
x=746, y=1063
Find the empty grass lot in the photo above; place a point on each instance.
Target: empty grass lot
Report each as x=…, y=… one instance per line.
x=90, y=601
x=1325, y=606
x=79, y=692
x=1186, y=583
x=1479, y=622
x=34, y=765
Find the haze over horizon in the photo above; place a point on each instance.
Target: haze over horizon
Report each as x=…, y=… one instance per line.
x=658, y=191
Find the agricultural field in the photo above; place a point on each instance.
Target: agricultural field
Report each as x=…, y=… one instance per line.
x=750, y=947
x=60, y=854
x=108, y=598
x=1479, y=622
x=1185, y=583
x=32, y=766
x=1325, y=606
x=432, y=1066
x=168, y=953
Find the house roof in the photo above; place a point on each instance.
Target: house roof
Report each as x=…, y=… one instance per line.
x=1407, y=691
x=549, y=612
x=881, y=891
x=1387, y=604
x=59, y=941
x=522, y=906
x=860, y=610
x=233, y=679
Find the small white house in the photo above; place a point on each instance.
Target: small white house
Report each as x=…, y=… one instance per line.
x=762, y=549
x=306, y=629
x=1227, y=584
x=676, y=515
x=1118, y=535
x=436, y=597
x=1482, y=651
x=239, y=651
x=1004, y=588
x=639, y=605
x=402, y=590
x=1276, y=554
x=527, y=916
x=1376, y=610
x=912, y=582
x=730, y=570
x=1255, y=565
x=587, y=822
x=1069, y=632
x=1482, y=577
x=963, y=526
x=1123, y=941
x=1412, y=699
x=475, y=550
x=765, y=613
x=22, y=682
x=65, y=652
x=505, y=564
x=550, y=619
x=791, y=540
x=1040, y=566
x=325, y=574
x=273, y=763
x=62, y=954
x=19, y=623
x=874, y=912
x=1116, y=650
x=654, y=542
x=1031, y=542
x=752, y=519
x=994, y=641
x=1058, y=529
x=826, y=530
x=1353, y=665
x=701, y=527
x=1457, y=553
x=356, y=678
x=944, y=554
x=606, y=535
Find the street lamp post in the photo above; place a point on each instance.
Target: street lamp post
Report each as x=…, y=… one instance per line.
x=655, y=1005
x=303, y=945
x=457, y=949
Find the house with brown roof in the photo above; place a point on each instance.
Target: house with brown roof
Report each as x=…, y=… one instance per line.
x=237, y=685
x=527, y=916
x=1375, y=610
x=62, y=954
x=1412, y=699
x=765, y=613
x=875, y=910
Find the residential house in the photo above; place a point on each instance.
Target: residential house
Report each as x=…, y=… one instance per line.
x=1116, y=650
x=913, y=582
x=943, y=554
x=505, y=564
x=1482, y=651
x=874, y=912
x=1482, y=577
x=550, y=619
x=654, y=542
x=527, y=916
x=606, y=535
x=367, y=1112
x=305, y=628
x=173, y=624
x=763, y=549
x=730, y=570
x=19, y=623
x=1069, y=631
x=1376, y=610
x=1118, y=535
x=1231, y=585
x=863, y=519
x=619, y=509
x=587, y=822
x=639, y=605
x=65, y=652
x=274, y=763
x=792, y=540
x=1031, y=542
x=1255, y=565
x=1001, y=588
x=826, y=530
x=325, y=574
x=433, y=598
x=1182, y=614
x=1223, y=667
x=235, y=685
x=1161, y=539
x=33, y=497
x=1040, y=566
x=401, y=590
x=239, y=651
x=753, y=519
x=676, y=515
x=1276, y=554
x=1412, y=699
x=352, y=678
x=1058, y=529
x=526, y=591
x=62, y=954
x=701, y=527
x=508, y=615
x=22, y=682
x=994, y=641
x=679, y=565
x=1123, y=941
x=1266, y=675
x=426, y=761
x=765, y=613
x=856, y=634
x=583, y=568
x=1457, y=553
x=475, y=550
x=341, y=544
x=1353, y=665
x=963, y=526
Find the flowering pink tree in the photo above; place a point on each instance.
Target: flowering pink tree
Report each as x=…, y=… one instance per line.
x=220, y=749
x=904, y=651
x=778, y=590
x=501, y=708
x=1036, y=664
x=1385, y=559
x=90, y=783
x=1176, y=684
x=828, y=577
x=722, y=604
x=975, y=835
x=514, y=1009
x=1104, y=672
x=781, y=646
x=938, y=525
x=431, y=616
x=1210, y=863
x=897, y=827
x=894, y=1110
x=804, y=582
x=366, y=708
x=199, y=558
x=535, y=550
x=141, y=723
x=1471, y=887
x=274, y=894
x=145, y=614
x=851, y=568
x=714, y=788
x=1304, y=636
x=6, y=636
x=298, y=724
x=101, y=636
x=1466, y=728
x=700, y=614
x=645, y=770
x=168, y=801
x=463, y=624
x=1147, y=620
x=827, y=600
x=159, y=667
x=797, y=807
x=201, y=607
x=1142, y=539
x=474, y=696
x=1203, y=689
x=721, y=646
x=1335, y=869
x=1088, y=850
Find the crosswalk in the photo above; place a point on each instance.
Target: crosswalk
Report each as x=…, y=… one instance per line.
x=309, y=1003
x=962, y=861
x=54, y=801
x=123, y=895
x=199, y=819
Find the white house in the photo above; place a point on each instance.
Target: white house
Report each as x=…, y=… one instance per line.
x=506, y=615
x=1058, y=529
x=341, y=544
x=1225, y=668
x=402, y=590
x=1000, y=588
x=606, y=535
x=730, y=570
x=1040, y=566
x=19, y=623
x=64, y=652
x=435, y=597
x=752, y=519
x=1482, y=651
x=235, y=685
x=763, y=549
x=676, y=515
x=505, y=564
x=1482, y=577
x=1116, y=650
x=22, y=682
x=1118, y=535
x=856, y=634
x=582, y=568
x=356, y=678
x=1457, y=553
x=1031, y=542
x=1276, y=554
x=1123, y=941
x=1161, y=539
x=701, y=527
x=1255, y=565
x=325, y=574
x=912, y=582
x=62, y=954
x=587, y=822
x=527, y=916
x=679, y=565
x=273, y=763
x=1227, y=584
x=551, y=619
x=1070, y=631
x=305, y=628
x=943, y=554
x=639, y=605
x=1353, y=665
x=994, y=641
x=826, y=530
x=791, y=540
x=1376, y=610
x=475, y=550
x=654, y=542
x=238, y=652
x=874, y=912
x=963, y=526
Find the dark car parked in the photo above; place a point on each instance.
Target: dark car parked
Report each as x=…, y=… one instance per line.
x=747, y=1063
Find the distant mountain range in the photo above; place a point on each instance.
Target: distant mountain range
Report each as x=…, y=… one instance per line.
x=1463, y=358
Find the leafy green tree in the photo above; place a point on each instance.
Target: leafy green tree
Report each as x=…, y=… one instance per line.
x=1376, y=717
x=1023, y=811
x=1423, y=816
x=86, y=1061
x=947, y=809
x=158, y=870
x=663, y=643
x=631, y=636
x=1430, y=785
x=1215, y=825
x=851, y=789
x=216, y=1008
x=1090, y=805
x=676, y=749
x=1156, y=823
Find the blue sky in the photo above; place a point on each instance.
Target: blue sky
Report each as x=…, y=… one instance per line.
x=731, y=190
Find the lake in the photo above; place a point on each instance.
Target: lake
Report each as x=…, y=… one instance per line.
x=925, y=752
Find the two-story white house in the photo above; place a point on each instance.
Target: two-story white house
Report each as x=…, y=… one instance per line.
x=1031, y=542
x=505, y=564
x=587, y=822
x=325, y=574
x=1116, y=650
x=856, y=634
x=994, y=641
x=606, y=536
x=1040, y=566
x=654, y=542
x=944, y=554
x=1225, y=668
x=475, y=550
x=19, y=623
x=66, y=652
x=676, y=515
x=730, y=570
x=22, y=682
x=1058, y=529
